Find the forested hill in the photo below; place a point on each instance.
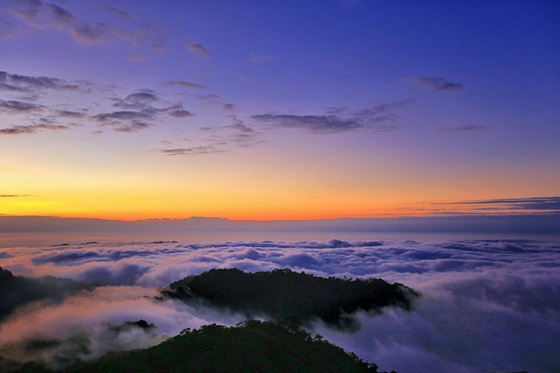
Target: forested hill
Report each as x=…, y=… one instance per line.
x=16, y=291
x=291, y=296
x=252, y=346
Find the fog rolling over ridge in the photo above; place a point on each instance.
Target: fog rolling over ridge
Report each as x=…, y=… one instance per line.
x=486, y=305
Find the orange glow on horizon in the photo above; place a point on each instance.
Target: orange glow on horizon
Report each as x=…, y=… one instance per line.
x=139, y=211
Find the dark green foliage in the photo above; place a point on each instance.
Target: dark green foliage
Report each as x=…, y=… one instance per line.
x=16, y=291
x=29, y=367
x=252, y=346
x=142, y=324
x=292, y=297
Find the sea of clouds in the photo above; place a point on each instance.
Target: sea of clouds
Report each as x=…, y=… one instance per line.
x=486, y=305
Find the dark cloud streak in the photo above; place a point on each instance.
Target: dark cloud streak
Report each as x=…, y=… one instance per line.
x=339, y=119
x=464, y=128
x=196, y=150
x=534, y=204
x=23, y=83
x=436, y=84
x=183, y=84
x=16, y=107
x=30, y=129
x=317, y=124
x=198, y=49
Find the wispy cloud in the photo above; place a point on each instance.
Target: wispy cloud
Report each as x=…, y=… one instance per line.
x=198, y=49
x=9, y=30
x=125, y=121
x=326, y=124
x=71, y=114
x=210, y=98
x=38, y=15
x=465, y=128
x=260, y=58
x=139, y=112
x=239, y=134
x=16, y=107
x=214, y=99
x=379, y=118
x=137, y=58
x=29, y=129
x=24, y=83
x=122, y=115
x=180, y=113
x=117, y=11
x=32, y=115
x=533, y=204
x=436, y=84
x=195, y=150
x=133, y=126
x=87, y=33
x=138, y=100
x=222, y=139
x=127, y=114
x=183, y=84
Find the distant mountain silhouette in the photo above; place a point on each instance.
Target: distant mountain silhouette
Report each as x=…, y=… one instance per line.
x=529, y=223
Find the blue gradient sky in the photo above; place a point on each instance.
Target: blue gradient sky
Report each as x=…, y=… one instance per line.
x=276, y=110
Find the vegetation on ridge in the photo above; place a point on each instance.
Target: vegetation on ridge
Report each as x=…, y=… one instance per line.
x=291, y=296
x=251, y=346
x=17, y=291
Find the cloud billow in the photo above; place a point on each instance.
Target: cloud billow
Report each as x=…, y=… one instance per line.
x=466, y=286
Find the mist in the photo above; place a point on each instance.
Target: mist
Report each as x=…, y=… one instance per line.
x=486, y=305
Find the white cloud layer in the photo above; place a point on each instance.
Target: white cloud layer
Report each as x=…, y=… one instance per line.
x=487, y=305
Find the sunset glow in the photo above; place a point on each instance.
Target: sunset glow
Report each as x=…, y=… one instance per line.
x=265, y=111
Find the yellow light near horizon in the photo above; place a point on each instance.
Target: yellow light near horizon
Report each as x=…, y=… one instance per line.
x=25, y=206
x=233, y=204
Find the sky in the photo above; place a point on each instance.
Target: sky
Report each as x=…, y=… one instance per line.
x=278, y=110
